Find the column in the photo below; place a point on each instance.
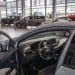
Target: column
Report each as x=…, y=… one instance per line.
x=54, y=10
x=6, y=9
x=65, y=7
x=17, y=7
x=23, y=7
x=30, y=7
x=45, y=9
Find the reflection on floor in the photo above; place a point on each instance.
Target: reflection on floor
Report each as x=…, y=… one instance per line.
x=13, y=32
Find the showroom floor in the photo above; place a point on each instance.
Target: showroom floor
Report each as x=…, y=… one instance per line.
x=12, y=32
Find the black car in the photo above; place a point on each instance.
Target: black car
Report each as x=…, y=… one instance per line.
x=8, y=20
x=29, y=21
x=48, y=50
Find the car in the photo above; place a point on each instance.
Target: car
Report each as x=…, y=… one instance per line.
x=29, y=21
x=8, y=20
x=71, y=17
x=66, y=18
x=46, y=50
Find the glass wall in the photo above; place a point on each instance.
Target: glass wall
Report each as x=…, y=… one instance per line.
x=44, y=7
x=38, y=7
x=3, y=13
x=2, y=9
x=11, y=8
x=19, y=7
x=65, y=7
x=49, y=8
x=27, y=7
x=9, y=0
x=60, y=8
x=70, y=7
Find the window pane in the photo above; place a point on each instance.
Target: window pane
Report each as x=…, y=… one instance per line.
x=27, y=3
x=42, y=2
x=20, y=12
x=10, y=0
x=39, y=10
x=71, y=8
x=8, y=5
x=9, y=12
x=3, y=14
x=60, y=8
x=36, y=3
x=49, y=11
x=70, y=1
x=19, y=4
x=60, y=1
x=49, y=2
x=27, y=12
x=13, y=4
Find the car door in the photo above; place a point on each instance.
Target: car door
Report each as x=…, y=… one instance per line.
x=66, y=63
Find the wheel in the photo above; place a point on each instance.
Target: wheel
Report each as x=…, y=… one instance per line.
x=37, y=24
x=17, y=26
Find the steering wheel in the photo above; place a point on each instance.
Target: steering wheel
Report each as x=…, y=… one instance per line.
x=11, y=42
x=45, y=50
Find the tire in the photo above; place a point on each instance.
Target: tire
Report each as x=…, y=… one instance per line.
x=38, y=24
x=19, y=25
x=15, y=26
